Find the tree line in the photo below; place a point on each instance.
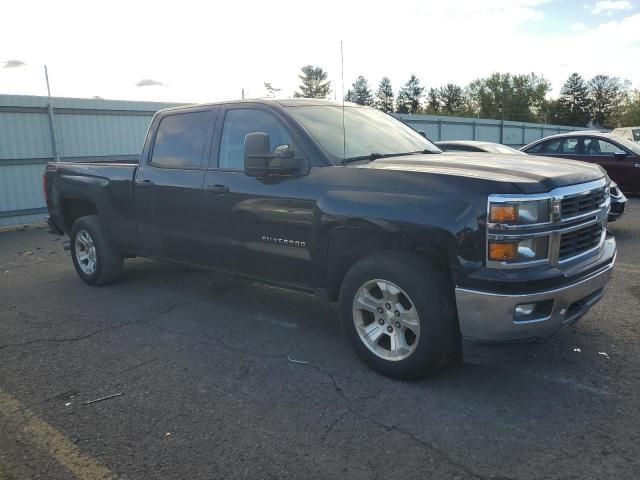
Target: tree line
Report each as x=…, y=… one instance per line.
x=602, y=101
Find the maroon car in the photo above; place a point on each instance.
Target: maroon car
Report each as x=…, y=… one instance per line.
x=618, y=156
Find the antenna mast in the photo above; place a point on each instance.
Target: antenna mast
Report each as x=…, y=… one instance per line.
x=344, y=134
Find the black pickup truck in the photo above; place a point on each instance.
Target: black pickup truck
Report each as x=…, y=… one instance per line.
x=426, y=251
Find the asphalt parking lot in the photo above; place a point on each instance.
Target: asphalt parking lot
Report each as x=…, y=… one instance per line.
x=224, y=378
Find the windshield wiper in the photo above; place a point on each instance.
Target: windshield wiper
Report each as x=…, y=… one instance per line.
x=374, y=156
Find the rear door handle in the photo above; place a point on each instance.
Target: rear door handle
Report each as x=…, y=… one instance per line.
x=217, y=189
x=144, y=183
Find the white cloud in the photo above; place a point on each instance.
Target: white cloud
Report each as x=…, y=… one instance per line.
x=609, y=6
x=149, y=82
x=577, y=27
x=13, y=64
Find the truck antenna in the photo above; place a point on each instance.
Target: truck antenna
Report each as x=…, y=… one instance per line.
x=344, y=133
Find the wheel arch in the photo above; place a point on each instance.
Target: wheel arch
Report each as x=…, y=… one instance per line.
x=74, y=208
x=347, y=246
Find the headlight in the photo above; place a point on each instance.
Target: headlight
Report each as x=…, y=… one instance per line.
x=521, y=250
x=614, y=191
x=519, y=213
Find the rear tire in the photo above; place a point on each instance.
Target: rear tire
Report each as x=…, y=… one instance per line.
x=405, y=299
x=95, y=260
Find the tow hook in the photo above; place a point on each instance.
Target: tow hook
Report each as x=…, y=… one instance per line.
x=66, y=245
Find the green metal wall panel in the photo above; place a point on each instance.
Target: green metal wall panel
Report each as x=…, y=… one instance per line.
x=21, y=187
x=24, y=135
x=84, y=127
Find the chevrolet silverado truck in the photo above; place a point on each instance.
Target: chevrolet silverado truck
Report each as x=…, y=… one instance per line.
x=430, y=255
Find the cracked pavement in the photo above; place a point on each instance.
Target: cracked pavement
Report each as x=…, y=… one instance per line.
x=210, y=389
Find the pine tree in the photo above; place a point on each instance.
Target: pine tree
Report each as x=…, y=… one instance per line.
x=314, y=83
x=272, y=91
x=361, y=92
x=433, y=101
x=384, y=95
x=451, y=97
x=350, y=96
x=409, y=96
x=574, y=103
x=606, y=94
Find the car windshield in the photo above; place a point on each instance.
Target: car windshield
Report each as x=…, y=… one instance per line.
x=636, y=134
x=368, y=133
x=497, y=148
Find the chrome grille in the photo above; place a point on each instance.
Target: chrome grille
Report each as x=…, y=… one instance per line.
x=575, y=228
x=579, y=241
x=580, y=204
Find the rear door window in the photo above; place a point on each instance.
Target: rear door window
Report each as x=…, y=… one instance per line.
x=181, y=139
x=561, y=146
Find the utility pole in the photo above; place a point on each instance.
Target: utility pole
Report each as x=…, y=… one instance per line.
x=52, y=123
x=502, y=116
x=243, y=94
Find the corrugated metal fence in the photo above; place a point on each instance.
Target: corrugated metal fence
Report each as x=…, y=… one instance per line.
x=85, y=129
x=514, y=134
x=95, y=129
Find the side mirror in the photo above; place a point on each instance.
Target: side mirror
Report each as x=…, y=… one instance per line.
x=620, y=154
x=259, y=161
x=421, y=132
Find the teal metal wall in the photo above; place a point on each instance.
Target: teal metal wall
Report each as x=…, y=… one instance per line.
x=86, y=129
x=514, y=134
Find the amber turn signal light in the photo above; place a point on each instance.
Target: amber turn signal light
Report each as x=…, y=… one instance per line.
x=503, y=213
x=501, y=251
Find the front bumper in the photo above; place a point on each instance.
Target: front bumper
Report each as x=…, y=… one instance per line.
x=490, y=316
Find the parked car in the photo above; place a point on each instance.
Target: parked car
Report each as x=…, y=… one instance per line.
x=424, y=259
x=618, y=200
x=628, y=133
x=476, y=146
x=619, y=157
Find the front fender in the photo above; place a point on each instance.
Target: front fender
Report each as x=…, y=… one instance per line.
x=356, y=224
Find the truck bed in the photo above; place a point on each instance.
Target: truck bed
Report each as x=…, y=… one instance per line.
x=73, y=188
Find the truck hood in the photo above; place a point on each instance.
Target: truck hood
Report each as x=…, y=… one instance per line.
x=530, y=174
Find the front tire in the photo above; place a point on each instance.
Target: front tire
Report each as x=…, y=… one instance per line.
x=95, y=260
x=397, y=311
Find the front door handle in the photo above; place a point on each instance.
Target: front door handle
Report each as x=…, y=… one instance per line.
x=144, y=183
x=217, y=189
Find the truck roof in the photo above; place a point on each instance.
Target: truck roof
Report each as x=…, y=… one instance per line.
x=284, y=102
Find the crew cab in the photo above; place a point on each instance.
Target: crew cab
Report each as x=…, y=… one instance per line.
x=425, y=252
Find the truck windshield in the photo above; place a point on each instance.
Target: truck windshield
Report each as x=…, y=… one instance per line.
x=369, y=133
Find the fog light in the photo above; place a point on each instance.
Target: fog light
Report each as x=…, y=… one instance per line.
x=525, y=309
x=532, y=312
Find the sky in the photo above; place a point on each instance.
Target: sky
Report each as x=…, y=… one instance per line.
x=199, y=51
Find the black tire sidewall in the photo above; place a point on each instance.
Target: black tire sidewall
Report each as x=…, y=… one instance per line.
x=430, y=293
